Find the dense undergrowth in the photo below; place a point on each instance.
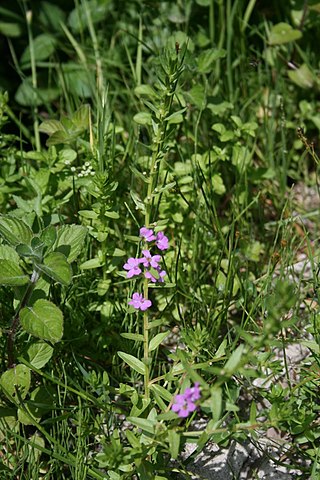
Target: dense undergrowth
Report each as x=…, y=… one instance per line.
x=194, y=121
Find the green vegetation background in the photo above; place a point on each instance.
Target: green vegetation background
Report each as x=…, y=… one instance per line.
x=223, y=97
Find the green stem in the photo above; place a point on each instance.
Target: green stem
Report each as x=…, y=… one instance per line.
x=172, y=71
x=16, y=318
x=146, y=342
x=34, y=80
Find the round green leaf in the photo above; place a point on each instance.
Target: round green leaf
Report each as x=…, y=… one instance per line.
x=283, y=33
x=16, y=379
x=43, y=320
x=39, y=354
x=302, y=76
x=43, y=46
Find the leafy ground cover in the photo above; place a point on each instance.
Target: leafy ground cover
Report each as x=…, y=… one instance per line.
x=157, y=249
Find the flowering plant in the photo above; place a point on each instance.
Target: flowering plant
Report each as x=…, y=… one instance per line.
x=184, y=403
x=150, y=263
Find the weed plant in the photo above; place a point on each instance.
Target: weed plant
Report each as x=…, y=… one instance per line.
x=156, y=262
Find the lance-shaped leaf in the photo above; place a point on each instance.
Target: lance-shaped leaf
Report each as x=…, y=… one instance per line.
x=43, y=320
x=11, y=273
x=56, y=266
x=133, y=362
x=70, y=240
x=14, y=230
x=17, y=379
x=155, y=341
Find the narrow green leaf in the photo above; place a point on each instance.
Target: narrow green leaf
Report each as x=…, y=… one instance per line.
x=12, y=274
x=155, y=341
x=143, y=423
x=92, y=263
x=10, y=29
x=14, y=230
x=161, y=391
x=133, y=362
x=43, y=320
x=234, y=361
x=137, y=337
x=215, y=402
x=174, y=443
x=253, y=413
x=143, y=118
x=145, y=90
x=17, y=378
x=88, y=214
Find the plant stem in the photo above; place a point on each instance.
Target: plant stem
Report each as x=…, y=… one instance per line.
x=34, y=81
x=172, y=70
x=15, y=320
x=146, y=342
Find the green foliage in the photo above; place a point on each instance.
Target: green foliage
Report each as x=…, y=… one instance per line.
x=181, y=117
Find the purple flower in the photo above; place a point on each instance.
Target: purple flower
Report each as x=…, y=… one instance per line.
x=133, y=266
x=183, y=406
x=147, y=234
x=184, y=403
x=193, y=393
x=149, y=260
x=153, y=279
x=162, y=241
x=139, y=302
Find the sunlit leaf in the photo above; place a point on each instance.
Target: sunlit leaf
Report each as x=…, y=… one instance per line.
x=44, y=320
x=16, y=379
x=14, y=230
x=283, y=33
x=12, y=274
x=133, y=362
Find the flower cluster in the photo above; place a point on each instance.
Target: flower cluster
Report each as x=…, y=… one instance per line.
x=150, y=263
x=185, y=402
